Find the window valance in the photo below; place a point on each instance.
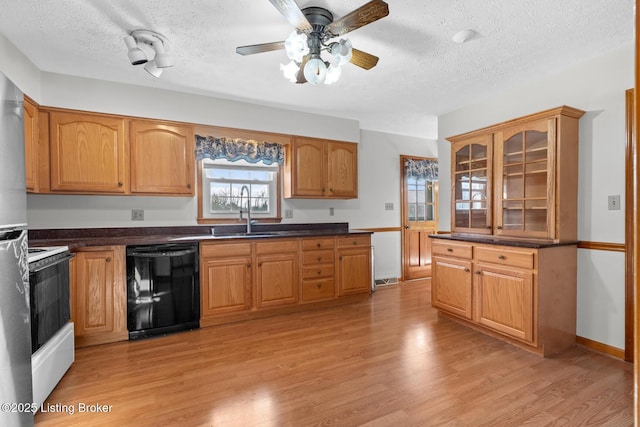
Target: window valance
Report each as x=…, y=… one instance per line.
x=233, y=149
x=426, y=169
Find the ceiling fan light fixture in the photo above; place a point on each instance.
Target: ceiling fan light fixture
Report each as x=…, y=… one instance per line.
x=315, y=70
x=290, y=71
x=333, y=74
x=342, y=51
x=296, y=46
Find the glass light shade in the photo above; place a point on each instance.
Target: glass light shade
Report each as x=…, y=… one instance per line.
x=333, y=74
x=296, y=46
x=315, y=71
x=290, y=71
x=342, y=51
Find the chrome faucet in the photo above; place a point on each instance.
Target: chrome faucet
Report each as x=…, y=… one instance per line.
x=244, y=187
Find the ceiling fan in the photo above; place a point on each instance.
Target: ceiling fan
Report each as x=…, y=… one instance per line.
x=315, y=29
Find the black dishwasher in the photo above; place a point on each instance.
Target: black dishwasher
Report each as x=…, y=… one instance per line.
x=163, y=289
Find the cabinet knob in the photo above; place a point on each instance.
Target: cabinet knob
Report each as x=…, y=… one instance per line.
x=449, y=250
x=323, y=190
x=319, y=285
x=120, y=184
x=259, y=264
x=406, y=227
x=318, y=245
x=319, y=259
x=188, y=185
x=466, y=270
x=502, y=257
x=249, y=265
x=499, y=227
x=340, y=258
x=331, y=189
x=355, y=243
x=108, y=259
x=478, y=272
x=319, y=272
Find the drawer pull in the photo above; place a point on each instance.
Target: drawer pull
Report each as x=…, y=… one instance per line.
x=502, y=257
x=319, y=272
x=249, y=265
x=499, y=227
x=449, y=250
x=355, y=242
x=466, y=270
x=478, y=272
x=108, y=259
x=318, y=245
x=319, y=285
x=319, y=258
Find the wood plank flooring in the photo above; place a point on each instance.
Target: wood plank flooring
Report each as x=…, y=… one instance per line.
x=388, y=361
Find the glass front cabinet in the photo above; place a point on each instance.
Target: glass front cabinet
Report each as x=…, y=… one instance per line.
x=518, y=179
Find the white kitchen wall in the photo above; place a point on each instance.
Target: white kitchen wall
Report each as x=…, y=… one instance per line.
x=598, y=87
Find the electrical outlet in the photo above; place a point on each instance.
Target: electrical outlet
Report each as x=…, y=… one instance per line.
x=614, y=203
x=137, y=215
x=388, y=206
x=288, y=213
x=330, y=211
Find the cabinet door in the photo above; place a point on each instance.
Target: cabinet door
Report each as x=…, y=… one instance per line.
x=451, y=286
x=354, y=270
x=226, y=285
x=162, y=158
x=342, y=170
x=31, y=145
x=504, y=300
x=472, y=180
x=306, y=168
x=100, y=304
x=277, y=281
x=87, y=153
x=525, y=179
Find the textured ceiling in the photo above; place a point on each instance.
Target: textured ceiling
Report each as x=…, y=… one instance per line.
x=422, y=73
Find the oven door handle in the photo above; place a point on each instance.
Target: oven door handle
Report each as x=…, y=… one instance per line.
x=52, y=263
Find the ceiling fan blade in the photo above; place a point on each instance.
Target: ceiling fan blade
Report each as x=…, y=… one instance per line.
x=301, y=77
x=290, y=10
x=259, y=48
x=363, y=59
x=370, y=12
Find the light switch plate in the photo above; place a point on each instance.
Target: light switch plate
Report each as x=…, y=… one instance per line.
x=137, y=214
x=331, y=211
x=388, y=206
x=288, y=213
x=614, y=202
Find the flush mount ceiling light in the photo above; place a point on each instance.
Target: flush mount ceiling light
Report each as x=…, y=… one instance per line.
x=140, y=41
x=315, y=29
x=463, y=36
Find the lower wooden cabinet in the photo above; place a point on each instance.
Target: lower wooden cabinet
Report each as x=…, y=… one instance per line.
x=527, y=295
x=277, y=273
x=354, y=264
x=99, y=295
x=225, y=278
x=451, y=286
x=318, y=269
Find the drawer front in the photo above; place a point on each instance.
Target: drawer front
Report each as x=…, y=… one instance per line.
x=208, y=250
x=503, y=256
x=354, y=241
x=276, y=247
x=315, y=290
x=317, y=257
x=460, y=250
x=315, y=244
x=318, y=271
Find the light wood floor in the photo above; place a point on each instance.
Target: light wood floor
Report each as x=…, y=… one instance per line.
x=390, y=361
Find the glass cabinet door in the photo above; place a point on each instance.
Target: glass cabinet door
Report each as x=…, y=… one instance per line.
x=471, y=208
x=526, y=181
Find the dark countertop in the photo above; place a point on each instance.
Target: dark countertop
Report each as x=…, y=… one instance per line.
x=520, y=243
x=82, y=237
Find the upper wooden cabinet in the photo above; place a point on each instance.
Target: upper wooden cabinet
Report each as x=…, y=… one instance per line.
x=316, y=169
x=518, y=179
x=87, y=153
x=162, y=158
x=31, y=144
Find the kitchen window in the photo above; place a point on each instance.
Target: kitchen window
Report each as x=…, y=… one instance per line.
x=221, y=182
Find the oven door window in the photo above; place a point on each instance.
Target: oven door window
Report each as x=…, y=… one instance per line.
x=50, y=308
